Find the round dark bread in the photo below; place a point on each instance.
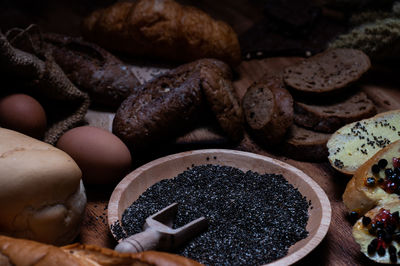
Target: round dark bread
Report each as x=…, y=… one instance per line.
x=92, y=69
x=306, y=145
x=330, y=117
x=161, y=110
x=268, y=110
x=328, y=71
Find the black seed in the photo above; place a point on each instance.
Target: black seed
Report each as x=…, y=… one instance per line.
x=255, y=217
x=380, y=180
x=396, y=236
x=372, y=230
x=379, y=224
x=366, y=220
x=395, y=215
x=375, y=169
x=397, y=170
x=387, y=238
x=382, y=163
x=381, y=251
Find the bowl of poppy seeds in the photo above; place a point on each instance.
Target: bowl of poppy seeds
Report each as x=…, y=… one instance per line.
x=259, y=210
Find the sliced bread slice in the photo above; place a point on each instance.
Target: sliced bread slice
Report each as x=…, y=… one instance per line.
x=353, y=144
x=328, y=118
x=268, y=110
x=327, y=71
x=306, y=145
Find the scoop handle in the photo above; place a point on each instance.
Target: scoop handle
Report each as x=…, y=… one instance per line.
x=146, y=240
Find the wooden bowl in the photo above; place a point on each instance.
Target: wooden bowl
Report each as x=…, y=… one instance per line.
x=135, y=183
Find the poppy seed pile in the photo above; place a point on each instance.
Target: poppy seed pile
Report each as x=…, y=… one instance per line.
x=253, y=219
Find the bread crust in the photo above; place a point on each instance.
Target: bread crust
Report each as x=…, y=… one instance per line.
x=162, y=29
x=26, y=252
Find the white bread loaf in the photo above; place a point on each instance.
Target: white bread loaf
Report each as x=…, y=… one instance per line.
x=353, y=144
x=41, y=193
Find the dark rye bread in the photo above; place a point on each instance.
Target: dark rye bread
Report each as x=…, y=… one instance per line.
x=268, y=110
x=330, y=117
x=167, y=106
x=305, y=145
x=92, y=69
x=221, y=96
x=326, y=72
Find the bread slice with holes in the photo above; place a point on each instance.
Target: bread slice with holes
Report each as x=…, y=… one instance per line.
x=353, y=144
x=328, y=71
x=330, y=117
x=306, y=145
x=268, y=110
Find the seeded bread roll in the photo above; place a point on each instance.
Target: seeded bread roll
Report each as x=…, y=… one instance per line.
x=25, y=252
x=330, y=117
x=367, y=188
x=382, y=249
x=306, y=145
x=162, y=29
x=41, y=192
x=92, y=69
x=327, y=72
x=268, y=110
x=353, y=144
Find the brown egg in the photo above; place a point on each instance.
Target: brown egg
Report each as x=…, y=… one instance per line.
x=102, y=156
x=22, y=113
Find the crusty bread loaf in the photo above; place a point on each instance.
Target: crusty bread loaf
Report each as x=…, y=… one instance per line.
x=167, y=106
x=41, y=193
x=330, y=117
x=25, y=252
x=370, y=241
x=353, y=144
x=268, y=110
x=163, y=29
x=305, y=145
x=92, y=69
x=331, y=70
x=360, y=196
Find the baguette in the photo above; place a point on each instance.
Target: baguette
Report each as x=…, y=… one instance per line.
x=25, y=252
x=353, y=144
x=162, y=29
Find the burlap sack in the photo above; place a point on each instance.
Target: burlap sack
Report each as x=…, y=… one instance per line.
x=26, y=66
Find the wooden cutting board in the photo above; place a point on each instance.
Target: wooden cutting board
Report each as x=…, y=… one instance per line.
x=338, y=248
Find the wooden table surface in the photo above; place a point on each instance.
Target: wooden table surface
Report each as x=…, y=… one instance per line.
x=338, y=247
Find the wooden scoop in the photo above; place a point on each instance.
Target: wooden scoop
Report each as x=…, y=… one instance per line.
x=158, y=232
